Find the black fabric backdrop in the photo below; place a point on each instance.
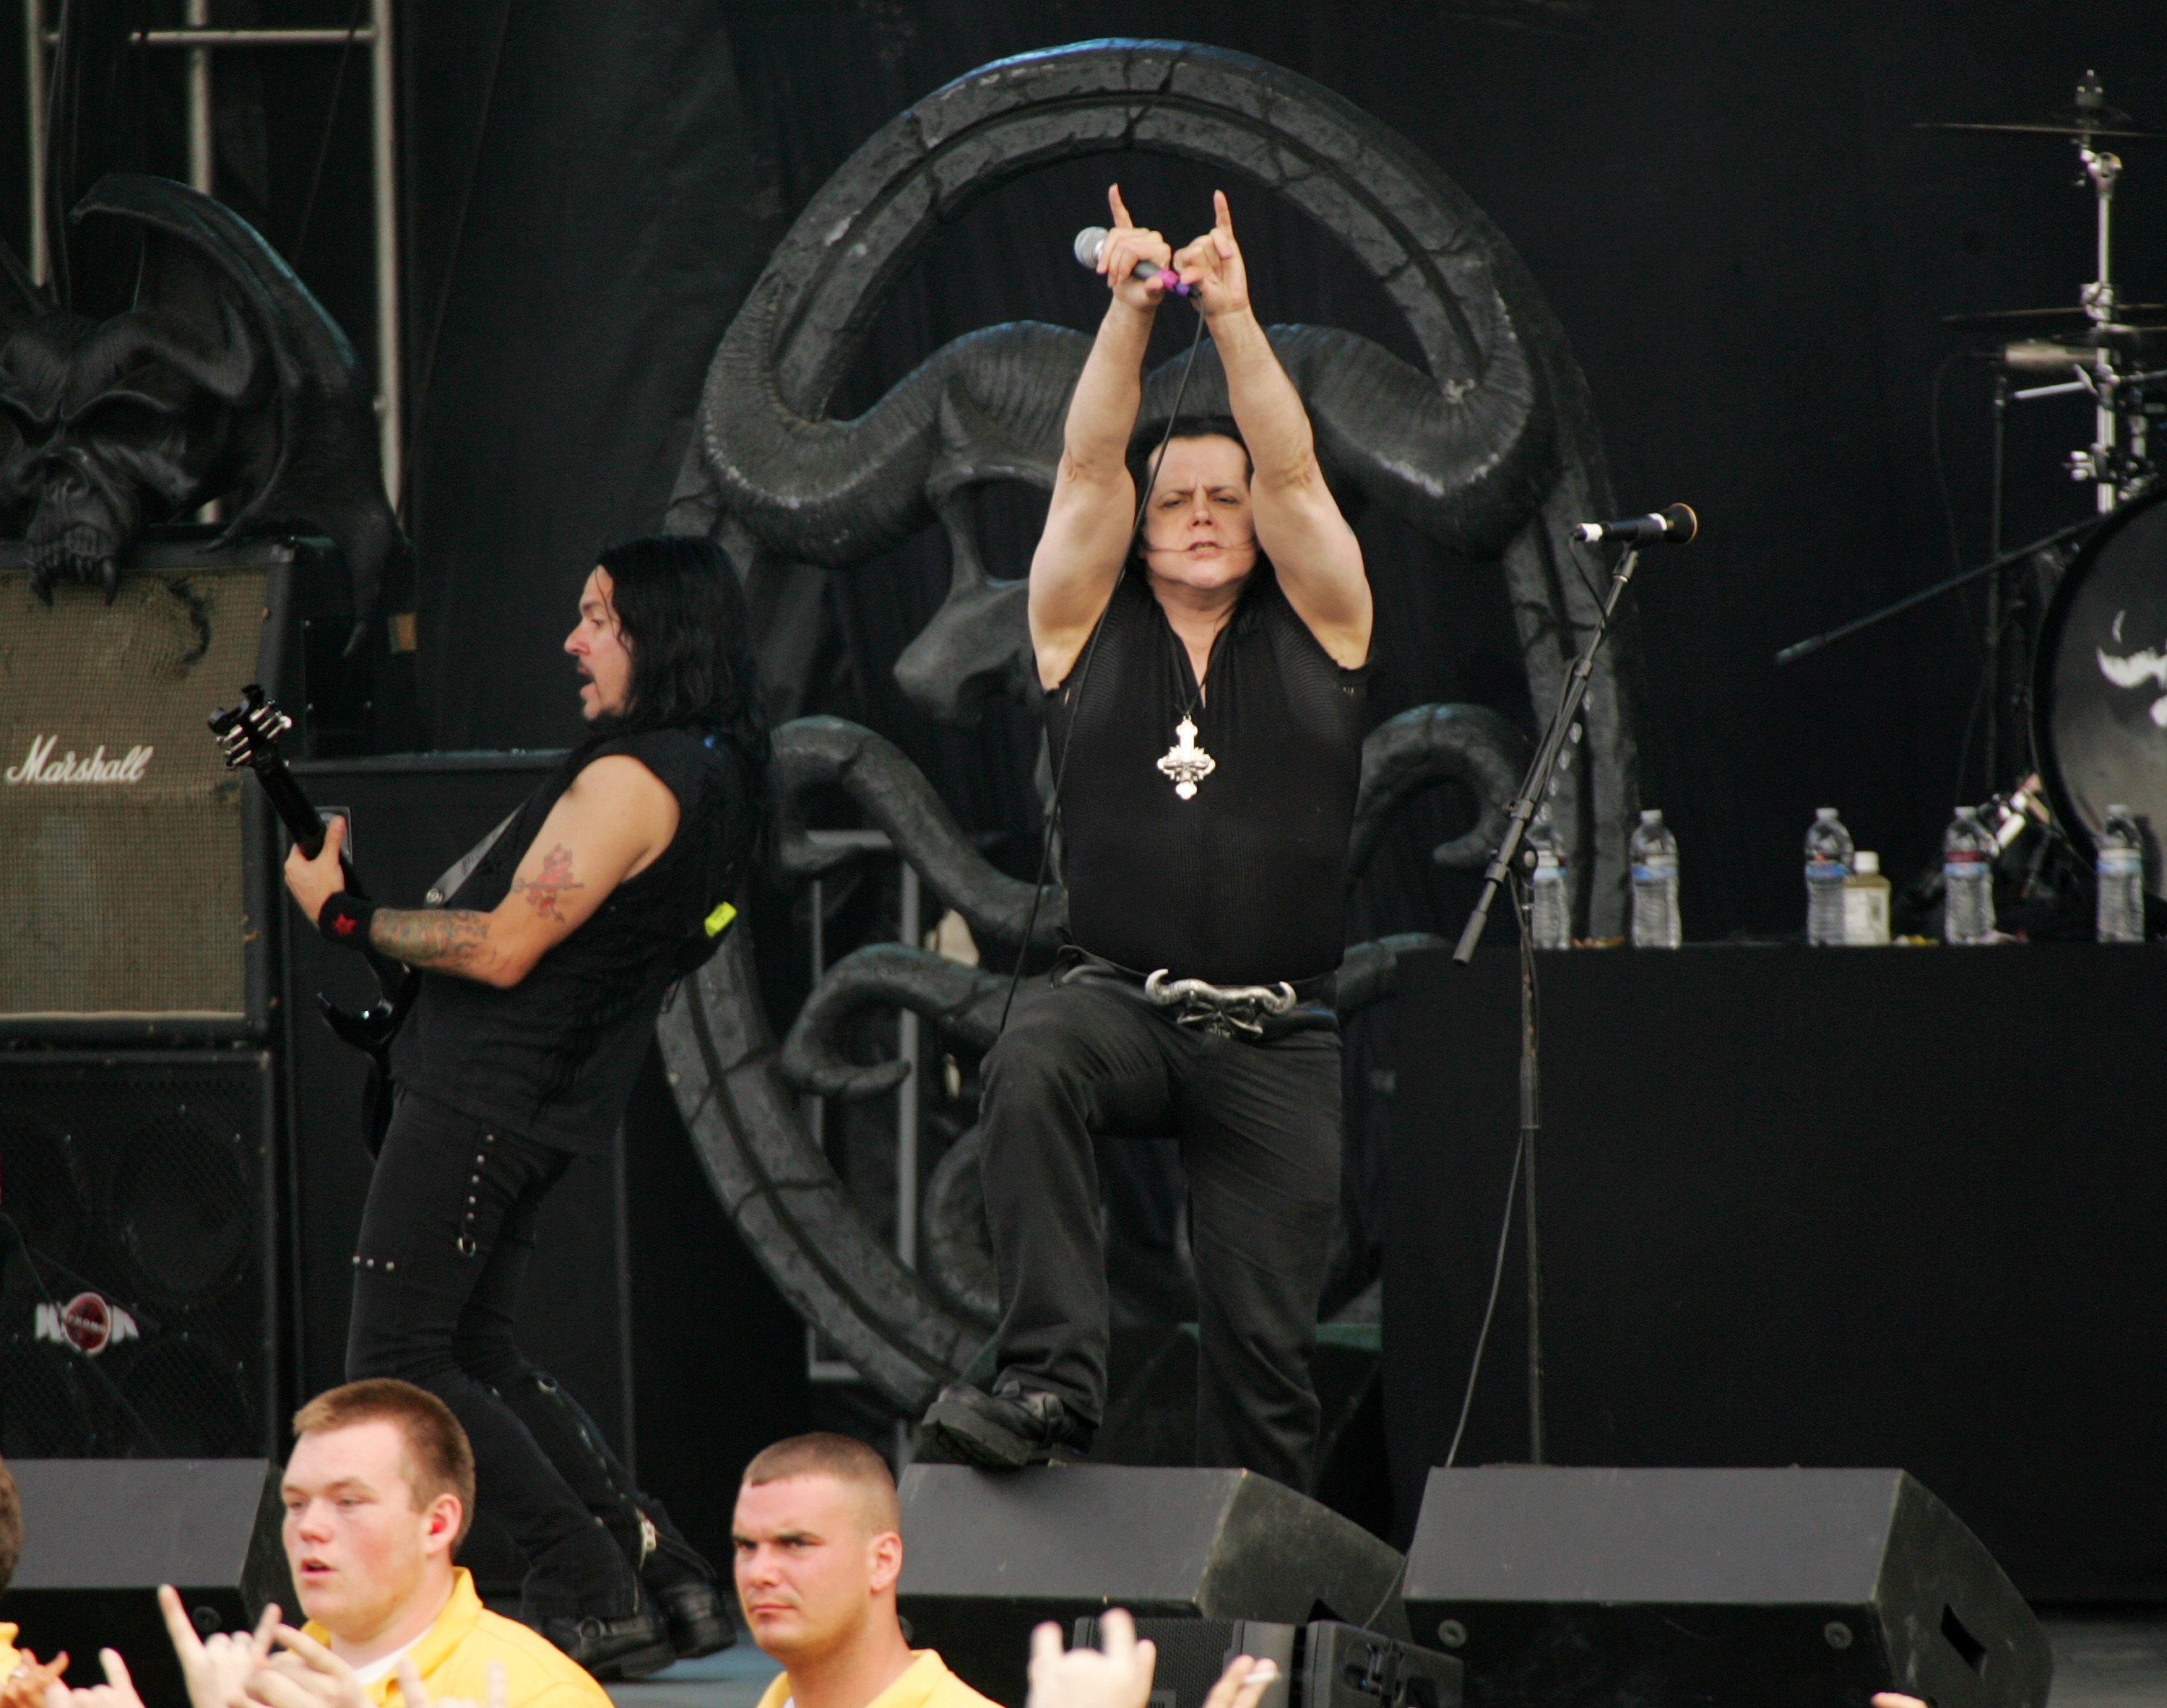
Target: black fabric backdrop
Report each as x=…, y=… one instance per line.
x=1746, y=239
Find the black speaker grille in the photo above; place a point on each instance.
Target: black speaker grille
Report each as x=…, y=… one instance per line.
x=134, y=1319
x=120, y=826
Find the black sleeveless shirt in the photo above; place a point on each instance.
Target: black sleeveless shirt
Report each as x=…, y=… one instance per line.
x=554, y=1056
x=1246, y=883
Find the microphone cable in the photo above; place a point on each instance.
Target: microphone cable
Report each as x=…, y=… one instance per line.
x=1083, y=673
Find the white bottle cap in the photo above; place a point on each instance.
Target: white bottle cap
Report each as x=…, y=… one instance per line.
x=1648, y=815
x=1866, y=863
x=1824, y=813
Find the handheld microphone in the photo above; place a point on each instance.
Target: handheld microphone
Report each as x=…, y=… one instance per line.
x=1091, y=242
x=1673, y=527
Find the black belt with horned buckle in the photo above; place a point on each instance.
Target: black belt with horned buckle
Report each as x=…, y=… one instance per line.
x=1231, y=1011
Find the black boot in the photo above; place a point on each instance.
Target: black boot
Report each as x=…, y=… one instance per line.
x=1004, y=1431
x=585, y=1598
x=682, y=1584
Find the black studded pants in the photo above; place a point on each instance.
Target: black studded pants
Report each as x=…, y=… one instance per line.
x=446, y=1238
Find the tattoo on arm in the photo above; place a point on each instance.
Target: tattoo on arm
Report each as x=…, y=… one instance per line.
x=452, y=941
x=554, y=881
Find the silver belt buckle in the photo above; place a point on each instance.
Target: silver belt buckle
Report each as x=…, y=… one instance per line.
x=1230, y=1010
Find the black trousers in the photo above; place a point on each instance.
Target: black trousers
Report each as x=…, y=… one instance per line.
x=1258, y=1127
x=446, y=1238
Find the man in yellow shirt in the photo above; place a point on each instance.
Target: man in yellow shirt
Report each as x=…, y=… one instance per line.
x=819, y=1546
x=378, y=1495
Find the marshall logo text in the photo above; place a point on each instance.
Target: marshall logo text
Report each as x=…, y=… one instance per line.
x=41, y=767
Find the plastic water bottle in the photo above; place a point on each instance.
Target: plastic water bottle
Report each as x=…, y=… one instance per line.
x=2120, y=869
x=1655, y=884
x=1828, y=864
x=1549, y=900
x=1968, y=854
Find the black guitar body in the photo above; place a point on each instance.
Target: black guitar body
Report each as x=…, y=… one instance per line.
x=249, y=735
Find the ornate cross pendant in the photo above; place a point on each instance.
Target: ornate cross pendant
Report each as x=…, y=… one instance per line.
x=1186, y=764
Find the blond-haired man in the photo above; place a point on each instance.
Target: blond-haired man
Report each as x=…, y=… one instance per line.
x=379, y=1491
x=819, y=1546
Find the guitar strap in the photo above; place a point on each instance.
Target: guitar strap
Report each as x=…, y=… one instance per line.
x=461, y=869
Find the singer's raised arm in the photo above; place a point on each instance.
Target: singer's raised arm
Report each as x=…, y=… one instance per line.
x=1080, y=554
x=1299, y=525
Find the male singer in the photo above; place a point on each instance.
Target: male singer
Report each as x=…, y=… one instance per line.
x=1206, y=706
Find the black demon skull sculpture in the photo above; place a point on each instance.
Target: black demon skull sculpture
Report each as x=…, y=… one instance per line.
x=224, y=378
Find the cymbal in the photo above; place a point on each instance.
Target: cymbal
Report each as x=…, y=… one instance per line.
x=1992, y=319
x=2076, y=125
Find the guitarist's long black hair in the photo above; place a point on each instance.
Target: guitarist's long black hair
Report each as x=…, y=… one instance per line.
x=682, y=610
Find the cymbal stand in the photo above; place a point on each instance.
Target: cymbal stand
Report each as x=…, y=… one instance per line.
x=2104, y=463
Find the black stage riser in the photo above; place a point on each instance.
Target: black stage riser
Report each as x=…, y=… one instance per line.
x=1828, y=1206
x=1578, y=1588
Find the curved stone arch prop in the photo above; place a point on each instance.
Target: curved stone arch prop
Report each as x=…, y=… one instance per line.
x=1510, y=459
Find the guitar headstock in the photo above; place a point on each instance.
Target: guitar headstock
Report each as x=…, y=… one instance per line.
x=249, y=732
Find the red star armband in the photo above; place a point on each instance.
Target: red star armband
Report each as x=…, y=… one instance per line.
x=344, y=920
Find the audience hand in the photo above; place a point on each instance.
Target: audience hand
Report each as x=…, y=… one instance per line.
x=417, y=1696
x=308, y=1675
x=1119, y=1675
x=217, y=1667
x=117, y=1691
x=1889, y=1699
x=1244, y=1681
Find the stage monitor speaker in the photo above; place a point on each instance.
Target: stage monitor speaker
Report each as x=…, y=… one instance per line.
x=137, y=1292
x=1323, y=1664
x=138, y=886
x=988, y=1555
x=100, y=1535
x=1566, y=1588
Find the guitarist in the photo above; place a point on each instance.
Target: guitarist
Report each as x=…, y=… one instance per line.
x=541, y=979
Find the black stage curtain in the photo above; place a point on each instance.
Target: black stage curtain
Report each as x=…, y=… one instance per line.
x=1748, y=242
x=1747, y=238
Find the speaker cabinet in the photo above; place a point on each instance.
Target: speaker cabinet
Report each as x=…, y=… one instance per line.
x=1323, y=1664
x=989, y=1555
x=138, y=887
x=99, y=1537
x=137, y=1303
x=1570, y=1588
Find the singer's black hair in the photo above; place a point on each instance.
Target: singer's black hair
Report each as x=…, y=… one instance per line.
x=1145, y=443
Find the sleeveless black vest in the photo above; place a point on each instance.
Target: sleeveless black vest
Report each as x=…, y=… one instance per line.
x=1246, y=883
x=554, y=1056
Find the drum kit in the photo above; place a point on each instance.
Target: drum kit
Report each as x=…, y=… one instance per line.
x=2076, y=622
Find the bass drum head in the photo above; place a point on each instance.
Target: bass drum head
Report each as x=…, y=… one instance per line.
x=2100, y=688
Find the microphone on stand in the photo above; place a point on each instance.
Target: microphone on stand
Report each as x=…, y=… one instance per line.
x=1673, y=527
x=1091, y=242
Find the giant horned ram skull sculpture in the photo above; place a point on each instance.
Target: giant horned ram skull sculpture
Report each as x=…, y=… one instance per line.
x=224, y=377
x=1491, y=451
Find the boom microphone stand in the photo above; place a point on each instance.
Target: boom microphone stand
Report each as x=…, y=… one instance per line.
x=1677, y=524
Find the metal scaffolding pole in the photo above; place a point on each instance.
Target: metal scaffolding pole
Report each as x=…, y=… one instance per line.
x=38, y=76
x=198, y=41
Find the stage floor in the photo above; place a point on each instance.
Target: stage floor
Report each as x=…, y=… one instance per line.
x=2099, y=1662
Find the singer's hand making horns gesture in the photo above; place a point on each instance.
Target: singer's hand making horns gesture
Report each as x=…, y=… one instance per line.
x=1126, y=244
x=1211, y=265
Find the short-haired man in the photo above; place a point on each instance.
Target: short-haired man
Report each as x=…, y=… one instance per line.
x=819, y=1547
x=377, y=1493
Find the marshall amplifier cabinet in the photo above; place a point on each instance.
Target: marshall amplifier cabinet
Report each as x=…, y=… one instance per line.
x=137, y=902
x=138, y=1315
